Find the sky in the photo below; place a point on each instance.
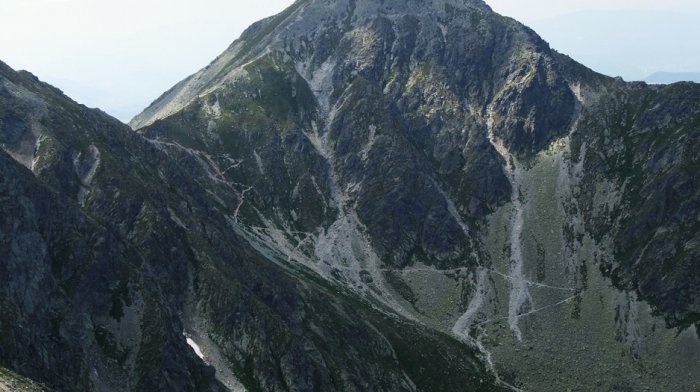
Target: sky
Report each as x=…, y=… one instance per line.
x=533, y=10
x=120, y=56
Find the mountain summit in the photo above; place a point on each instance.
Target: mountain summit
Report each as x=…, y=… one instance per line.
x=334, y=43
x=358, y=195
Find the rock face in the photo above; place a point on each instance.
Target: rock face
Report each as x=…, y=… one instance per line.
x=126, y=270
x=11, y=382
x=358, y=195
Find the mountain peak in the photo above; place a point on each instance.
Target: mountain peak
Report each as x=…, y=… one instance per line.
x=312, y=31
x=357, y=195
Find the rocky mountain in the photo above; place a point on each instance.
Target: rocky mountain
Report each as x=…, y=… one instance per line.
x=10, y=381
x=357, y=195
x=124, y=264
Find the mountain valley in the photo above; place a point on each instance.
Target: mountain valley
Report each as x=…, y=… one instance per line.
x=357, y=195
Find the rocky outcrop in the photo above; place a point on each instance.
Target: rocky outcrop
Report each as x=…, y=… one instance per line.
x=356, y=195
x=445, y=162
x=123, y=254
x=11, y=382
x=641, y=139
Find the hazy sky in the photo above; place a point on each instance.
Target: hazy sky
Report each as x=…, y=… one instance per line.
x=120, y=55
x=531, y=10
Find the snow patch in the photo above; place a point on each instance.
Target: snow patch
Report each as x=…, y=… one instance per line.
x=196, y=348
x=209, y=352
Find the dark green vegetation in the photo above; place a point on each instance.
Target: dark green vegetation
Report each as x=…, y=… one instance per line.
x=428, y=93
x=645, y=139
x=315, y=208
x=100, y=269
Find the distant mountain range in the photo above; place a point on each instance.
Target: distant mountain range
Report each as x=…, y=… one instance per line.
x=673, y=77
x=632, y=44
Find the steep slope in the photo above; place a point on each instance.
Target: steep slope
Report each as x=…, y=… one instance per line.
x=645, y=140
x=76, y=304
x=11, y=382
x=281, y=117
x=442, y=161
x=127, y=273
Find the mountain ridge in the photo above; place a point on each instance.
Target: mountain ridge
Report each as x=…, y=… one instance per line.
x=517, y=108
x=166, y=267
x=435, y=194
x=249, y=36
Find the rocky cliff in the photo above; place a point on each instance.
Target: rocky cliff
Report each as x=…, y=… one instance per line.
x=359, y=195
x=125, y=272
x=504, y=192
